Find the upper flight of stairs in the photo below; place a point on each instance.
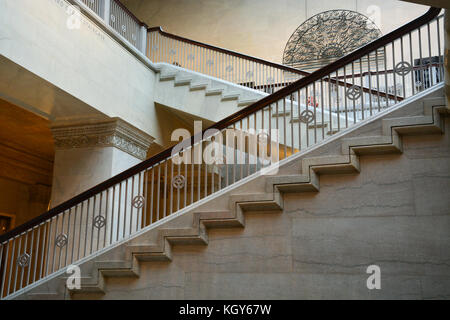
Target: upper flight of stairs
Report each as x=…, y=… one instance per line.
x=301, y=173
x=213, y=99
x=201, y=95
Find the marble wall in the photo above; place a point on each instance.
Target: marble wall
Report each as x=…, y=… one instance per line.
x=77, y=170
x=58, y=69
x=22, y=200
x=394, y=214
x=88, y=153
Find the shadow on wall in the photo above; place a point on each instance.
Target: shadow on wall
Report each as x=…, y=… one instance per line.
x=26, y=165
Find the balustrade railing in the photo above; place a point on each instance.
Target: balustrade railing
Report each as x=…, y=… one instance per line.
x=284, y=123
x=98, y=6
x=118, y=17
x=126, y=24
x=218, y=62
x=160, y=46
x=235, y=67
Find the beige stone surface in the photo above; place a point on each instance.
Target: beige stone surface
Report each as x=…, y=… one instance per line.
x=307, y=245
x=26, y=131
x=259, y=28
x=26, y=163
x=321, y=245
x=63, y=72
x=23, y=200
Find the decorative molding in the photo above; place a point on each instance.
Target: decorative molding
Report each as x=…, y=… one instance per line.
x=112, y=132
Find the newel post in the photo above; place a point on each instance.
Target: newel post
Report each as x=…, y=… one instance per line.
x=143, y=45
x=107, y=11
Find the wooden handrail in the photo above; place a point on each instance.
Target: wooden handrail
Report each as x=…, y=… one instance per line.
x=225, y=123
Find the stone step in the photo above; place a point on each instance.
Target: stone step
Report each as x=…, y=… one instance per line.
x=182, y=82
x=230, y=96
x=214, y=92
x=308, y=180
x=168, y=76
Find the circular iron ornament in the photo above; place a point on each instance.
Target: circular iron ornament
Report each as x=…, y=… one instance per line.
x=99, y=222
x=138, y=202
x=329, y=35
x=403, y=68
x=178, y=182
x=307, y=116
x=353, y=93
x=61, y=240
x=24, y=260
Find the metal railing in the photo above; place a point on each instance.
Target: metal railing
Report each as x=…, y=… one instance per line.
x=282, y=124
x=98, y=6
x=218, y=62
x=118, y=17
x=126, y=24
x=231, y=66
x=160, y=46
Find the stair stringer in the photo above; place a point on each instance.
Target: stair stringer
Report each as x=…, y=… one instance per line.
x=156, y=244
x=432, y=122
x=199, y=94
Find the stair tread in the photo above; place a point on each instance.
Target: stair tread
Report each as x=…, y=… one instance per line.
x=307, y=181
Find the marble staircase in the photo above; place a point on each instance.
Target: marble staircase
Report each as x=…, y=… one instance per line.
x=262, y=193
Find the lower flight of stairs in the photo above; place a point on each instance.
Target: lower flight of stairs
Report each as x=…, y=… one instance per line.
x=192, y=228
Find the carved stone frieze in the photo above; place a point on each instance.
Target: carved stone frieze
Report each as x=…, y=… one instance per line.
x=112, y=132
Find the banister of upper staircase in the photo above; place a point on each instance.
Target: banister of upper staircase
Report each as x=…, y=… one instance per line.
x=226, y=51
x=267, y=84
x=230, y=120
x=277, y=66
x=141, y=23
